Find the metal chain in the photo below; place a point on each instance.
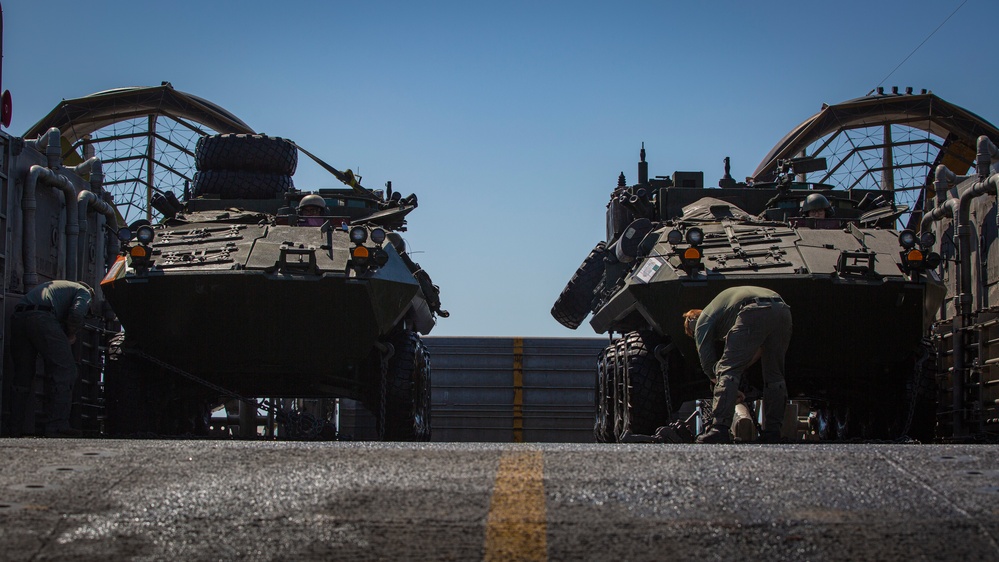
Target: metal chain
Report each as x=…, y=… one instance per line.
x=625, y=388
x=289, y=419
x=183, y=373
x=302, y=425
x=616, y=426
x=916, y=383
x=600, y=425
x=661, y=352
x=387, y=353
x=421, y=408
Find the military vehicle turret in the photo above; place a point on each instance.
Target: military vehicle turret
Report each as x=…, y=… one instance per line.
x=240, y=292
x=863, y=295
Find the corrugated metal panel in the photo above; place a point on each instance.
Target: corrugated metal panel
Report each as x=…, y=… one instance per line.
x=513, y=389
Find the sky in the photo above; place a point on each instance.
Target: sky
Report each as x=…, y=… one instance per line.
x=509, y=120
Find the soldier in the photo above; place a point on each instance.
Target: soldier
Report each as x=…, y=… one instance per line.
x=816, y=206
x=311, y=208
x=46, y=323
x=738, y=327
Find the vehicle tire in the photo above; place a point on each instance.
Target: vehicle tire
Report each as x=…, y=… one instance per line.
x=230, y=184
x=639, y=403
x=407, y=393
x=648, y=395
x=247, y=153
x=573, y=304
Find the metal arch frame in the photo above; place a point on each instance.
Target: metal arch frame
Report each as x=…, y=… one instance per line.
x=958, y=128
x=77, y=119
x=82, y=116
x=921, y=111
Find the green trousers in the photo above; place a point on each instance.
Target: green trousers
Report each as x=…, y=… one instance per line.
x=765, y=327
x=35, y=333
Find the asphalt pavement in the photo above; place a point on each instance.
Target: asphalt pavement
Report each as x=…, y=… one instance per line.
x=66, y=499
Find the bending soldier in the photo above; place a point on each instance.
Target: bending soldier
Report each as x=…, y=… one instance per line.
x=738, y=327
x=46, y=323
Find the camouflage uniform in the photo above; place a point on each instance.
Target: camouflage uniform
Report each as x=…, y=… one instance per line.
x=729, y=331
x=41, y=324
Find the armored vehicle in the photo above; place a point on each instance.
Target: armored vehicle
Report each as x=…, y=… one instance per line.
x=862, y=293
x=241, y=292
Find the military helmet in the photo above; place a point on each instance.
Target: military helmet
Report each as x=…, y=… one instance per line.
x=815, y=201
x=312, y=200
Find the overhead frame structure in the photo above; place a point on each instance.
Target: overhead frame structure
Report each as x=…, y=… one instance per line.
x=886, y=140
x=145, y=137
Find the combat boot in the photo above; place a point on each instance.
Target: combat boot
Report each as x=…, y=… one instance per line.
x=715, y=434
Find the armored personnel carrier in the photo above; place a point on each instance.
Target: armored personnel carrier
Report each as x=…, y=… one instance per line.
x=241, y=292
x=863, y=295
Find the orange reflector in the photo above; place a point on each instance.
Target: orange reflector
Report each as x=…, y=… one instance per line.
x=360, y=252
x=137, y=252
x=691, y=254
x=117, y=270
x=914, y=255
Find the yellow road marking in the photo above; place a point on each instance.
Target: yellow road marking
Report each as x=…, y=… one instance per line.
x=515, y=527
x=518, y=390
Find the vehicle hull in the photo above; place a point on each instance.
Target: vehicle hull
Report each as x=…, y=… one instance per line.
x=262, y=334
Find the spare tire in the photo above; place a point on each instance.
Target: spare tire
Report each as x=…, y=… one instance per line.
x=247, y=153
x=229, y=184
x=573, y=304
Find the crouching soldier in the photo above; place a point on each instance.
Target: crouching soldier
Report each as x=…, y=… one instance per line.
x=45, y=323
x=738, y=327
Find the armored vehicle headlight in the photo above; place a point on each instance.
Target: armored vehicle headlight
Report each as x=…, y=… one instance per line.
x=378, y=235
x=674, y=237
x=907, y=238
x=695, y=236
x=927, y=239
x=145, y=234
x=914, y=256
x=124, y=234
x=358, y=235
x=138, y=252
x=360, y=253
x=380, y=257
x=691, y=254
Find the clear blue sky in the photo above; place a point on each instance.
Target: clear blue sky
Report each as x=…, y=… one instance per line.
x=510, y=120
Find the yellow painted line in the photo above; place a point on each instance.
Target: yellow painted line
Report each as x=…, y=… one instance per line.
x=516, y=527
x=518, y=390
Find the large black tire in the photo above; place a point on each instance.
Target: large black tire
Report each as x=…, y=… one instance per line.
x=573, y=304
x=639, y=403
x=407, y=393
x=229, y=184
x=247, y=153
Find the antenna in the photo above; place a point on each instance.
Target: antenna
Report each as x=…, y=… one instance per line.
x=921, y=44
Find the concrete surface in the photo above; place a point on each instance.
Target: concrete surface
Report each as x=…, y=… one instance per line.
x=225, y=500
